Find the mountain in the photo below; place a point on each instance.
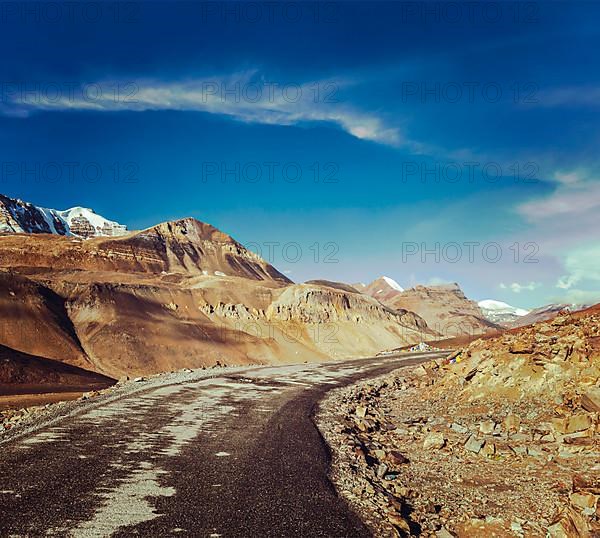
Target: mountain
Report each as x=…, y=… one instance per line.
x=445, y=308
x=544, y=313
x=17, y=216
x=383, y=289
x=178, y=294
x=501, y=313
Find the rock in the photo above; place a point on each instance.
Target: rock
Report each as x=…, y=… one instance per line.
x=398, y=521
x=583, y=500
x=381, y=470
x=434, y=440
x=590, y=401
x=473, y=444
x=519, y=346
x=487, y=427
x=587, y=482
x=396, y=458
x=444, y=533
x=379, y=454
x=139, y=379
x=560, y=425
x=488, y=450
x=569, y=524
x=512, y=423
x=459, y=428
x=534, y=452
x=579, y=423
x=419, y=371
x=361, y=411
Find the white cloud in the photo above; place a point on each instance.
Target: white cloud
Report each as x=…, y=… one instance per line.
x=572, y=198
x=241, y=96
x=515, y=287
x=582, y=263
x=578, y=296
x=569, y=178
x=437, y=281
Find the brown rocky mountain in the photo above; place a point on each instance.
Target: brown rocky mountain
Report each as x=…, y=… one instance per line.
x=445, y=307
x=383, y=289
x=180, y=294
x=544, y=313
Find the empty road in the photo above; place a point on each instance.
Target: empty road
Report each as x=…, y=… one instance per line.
x=236, y=454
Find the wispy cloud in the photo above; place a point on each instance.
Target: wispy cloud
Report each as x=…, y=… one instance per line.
x=243, y=97
x=572, y=197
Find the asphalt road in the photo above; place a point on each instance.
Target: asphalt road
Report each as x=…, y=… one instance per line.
x=234, y=455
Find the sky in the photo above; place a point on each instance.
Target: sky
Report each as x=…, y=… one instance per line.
x=430, y=142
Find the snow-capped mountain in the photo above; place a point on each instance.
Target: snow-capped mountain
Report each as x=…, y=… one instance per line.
x=500, y=312
x=17, y=216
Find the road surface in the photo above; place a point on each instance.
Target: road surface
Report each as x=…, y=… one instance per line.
x=232, y=455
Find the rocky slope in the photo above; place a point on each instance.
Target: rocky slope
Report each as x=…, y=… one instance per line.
x=17, y=216
x=187, y=247
x=500, y=439
x=445, y=308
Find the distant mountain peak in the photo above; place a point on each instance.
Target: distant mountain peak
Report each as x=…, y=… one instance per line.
x=501, y=312
x=392, y=283
x=17, y=216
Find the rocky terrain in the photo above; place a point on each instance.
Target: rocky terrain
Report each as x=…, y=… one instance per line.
x=499, y=439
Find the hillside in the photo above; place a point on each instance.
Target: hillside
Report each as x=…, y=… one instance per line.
x=501, y=438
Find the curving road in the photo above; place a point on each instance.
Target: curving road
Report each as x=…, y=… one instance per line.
x=232, y=455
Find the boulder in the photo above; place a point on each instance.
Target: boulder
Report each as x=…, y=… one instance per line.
x=473, y=444
x=583, y=500
x=434, y=440
x=487, y=427
x=590, y=401
x=578, y=423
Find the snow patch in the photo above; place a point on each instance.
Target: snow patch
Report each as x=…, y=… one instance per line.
x=392, y=283
x=499, y=306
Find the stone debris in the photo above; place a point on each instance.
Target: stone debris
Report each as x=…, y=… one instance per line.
x=501, y=440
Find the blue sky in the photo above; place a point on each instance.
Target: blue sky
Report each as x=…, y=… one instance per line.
x=339, y=140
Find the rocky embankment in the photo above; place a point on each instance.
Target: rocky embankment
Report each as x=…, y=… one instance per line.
x=499, y=439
